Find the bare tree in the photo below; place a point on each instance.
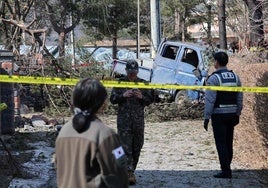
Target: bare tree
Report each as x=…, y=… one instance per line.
x=19, y=17
x=176, y=17
x=237, y=21
x=13, y=18
x=24, y=27
x=59, y=16
x=256, y=21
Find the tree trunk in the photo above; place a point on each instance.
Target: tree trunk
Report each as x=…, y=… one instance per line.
x=177, y=24
x=61, y=44
x=114, y=45
x=256, y=21
x=222, y=24
x=183, y=27
x=209, y=36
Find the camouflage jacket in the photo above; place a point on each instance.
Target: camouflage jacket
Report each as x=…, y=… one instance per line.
x=131, y=104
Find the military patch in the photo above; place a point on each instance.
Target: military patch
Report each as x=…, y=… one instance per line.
x=118, y=152
x=120, y=156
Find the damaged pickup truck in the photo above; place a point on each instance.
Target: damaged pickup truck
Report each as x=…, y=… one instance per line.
x=175, y=63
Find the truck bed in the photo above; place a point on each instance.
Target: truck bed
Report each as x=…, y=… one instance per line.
x=145, y=69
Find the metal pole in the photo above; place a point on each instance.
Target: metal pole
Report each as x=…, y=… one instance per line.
x=158, y=22
x=138, y=25
x=155, y=26
x=72, y=49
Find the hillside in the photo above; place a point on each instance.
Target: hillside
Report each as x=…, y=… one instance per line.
x=251, y=135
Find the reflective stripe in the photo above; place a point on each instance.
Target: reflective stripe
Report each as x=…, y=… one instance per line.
x=227, y=105
x=225, y=110
x=219, y=78
x=229, y=84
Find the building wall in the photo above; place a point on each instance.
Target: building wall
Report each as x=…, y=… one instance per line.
x=198, y=33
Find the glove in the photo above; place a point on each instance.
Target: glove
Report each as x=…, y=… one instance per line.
x=206, y=124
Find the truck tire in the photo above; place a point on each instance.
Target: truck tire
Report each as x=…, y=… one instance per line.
x=181, y=97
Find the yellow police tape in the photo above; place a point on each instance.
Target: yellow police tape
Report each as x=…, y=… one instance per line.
x=121, y=84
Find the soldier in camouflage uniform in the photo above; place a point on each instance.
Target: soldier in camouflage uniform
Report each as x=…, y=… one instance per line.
x=130, y=117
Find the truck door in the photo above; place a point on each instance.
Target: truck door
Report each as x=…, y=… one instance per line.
x=165, y=65
x=188, y=62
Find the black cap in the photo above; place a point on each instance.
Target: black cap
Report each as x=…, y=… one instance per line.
x=132, y=66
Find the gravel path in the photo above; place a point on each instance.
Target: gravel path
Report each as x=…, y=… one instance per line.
x=175, y=155
x=183, y=154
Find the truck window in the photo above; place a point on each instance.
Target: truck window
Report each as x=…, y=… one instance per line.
x=170, y=52
x=190, y=56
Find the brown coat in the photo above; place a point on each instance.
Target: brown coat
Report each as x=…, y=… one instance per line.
x=93, y=158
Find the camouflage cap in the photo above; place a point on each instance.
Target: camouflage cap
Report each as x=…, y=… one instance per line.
x=132, y=66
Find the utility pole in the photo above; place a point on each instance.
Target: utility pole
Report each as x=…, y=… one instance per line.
x=155, y=26
x=138, y=25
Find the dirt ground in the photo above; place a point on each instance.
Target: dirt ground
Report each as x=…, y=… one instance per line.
x=177, y=152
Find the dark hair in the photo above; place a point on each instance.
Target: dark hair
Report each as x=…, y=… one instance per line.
x=221, y=57
x=88, y=96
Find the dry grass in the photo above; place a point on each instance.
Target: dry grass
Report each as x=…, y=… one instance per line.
x=251, y=134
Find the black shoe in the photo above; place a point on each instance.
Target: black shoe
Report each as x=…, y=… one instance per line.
x=131, y=178
x=227, y=175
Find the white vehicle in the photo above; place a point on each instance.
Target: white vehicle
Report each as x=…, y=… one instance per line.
x=176, y=63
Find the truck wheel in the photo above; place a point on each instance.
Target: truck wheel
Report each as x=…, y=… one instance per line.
x=181, y=97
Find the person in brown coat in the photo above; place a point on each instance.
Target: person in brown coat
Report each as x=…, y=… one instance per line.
x=89, y=153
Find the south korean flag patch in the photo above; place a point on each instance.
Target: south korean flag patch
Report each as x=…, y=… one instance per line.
x=120, y=157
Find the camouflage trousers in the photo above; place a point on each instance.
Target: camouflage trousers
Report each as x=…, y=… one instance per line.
x=131, y=133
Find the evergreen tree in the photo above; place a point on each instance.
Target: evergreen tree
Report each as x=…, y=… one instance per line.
x=106, y=17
